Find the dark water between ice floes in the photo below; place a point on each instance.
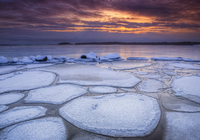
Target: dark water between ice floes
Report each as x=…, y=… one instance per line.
x=101, y=50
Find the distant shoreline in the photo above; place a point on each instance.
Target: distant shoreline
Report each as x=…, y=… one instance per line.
x=132, y=43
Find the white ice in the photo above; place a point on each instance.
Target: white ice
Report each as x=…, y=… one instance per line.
x=26, y=80
x=182, y=126
x=113, y=56
x=19, y=114
x=49, y=128
x=137, y=58
x=31, y=66
x=3, y=60
x=55, y=94
x=3, y=107
x=169, y=73
x=150, y=85
x=119, y=115
x=187, y=87
x=128, y=89
x=84, y=135
x=128, y=65
x=102, y=89
x=187, y=66
x=26, y=60
x=173, y=59
x=15, y=60
x=9, y=98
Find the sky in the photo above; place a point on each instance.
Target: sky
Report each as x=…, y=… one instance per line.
x=55, y=21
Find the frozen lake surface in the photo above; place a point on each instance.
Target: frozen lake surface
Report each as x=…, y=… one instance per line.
x=87, y=99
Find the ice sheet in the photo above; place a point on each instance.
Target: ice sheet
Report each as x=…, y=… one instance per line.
x=137, y=58
x=55, y=94
x=187, y=87
x=9, y=98
x=19, y=114
x=49, y=128
x=102, y=89
x=3, y=107
x=150, y=85
x=26, y=80
x=182, y=126
x=119, y=115
x=7, y=69
x=126, y=65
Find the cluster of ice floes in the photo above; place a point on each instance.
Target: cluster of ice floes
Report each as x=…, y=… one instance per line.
x=19, y=114
x=28, y=97
x=120, y=115
x=187, y=87
x=55, y=94
x=24, y=80
x=49, y=128
x=102, y=89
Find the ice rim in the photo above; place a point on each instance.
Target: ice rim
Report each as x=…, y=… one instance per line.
x=115, y=132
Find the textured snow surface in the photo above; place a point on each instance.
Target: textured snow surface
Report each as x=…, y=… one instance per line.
x=26, y=80
x=19, y=114
x=102, y=89
x=9, y=98
x=187, y=87
x=187, y=66
x=119, y=115
x=137, y=58
x=128, y=89
x=3, y=60
x=182, y=126
x=56, y=94
x=170, y=73
x=128, y=65
x=30, y=66
x=3, y=107
x=92, y=75
x=150, y=86
x=50, y=128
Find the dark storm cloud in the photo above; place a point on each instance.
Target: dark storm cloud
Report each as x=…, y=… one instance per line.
x=22, y=12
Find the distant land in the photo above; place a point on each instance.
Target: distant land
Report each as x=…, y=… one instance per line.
x=133, y=43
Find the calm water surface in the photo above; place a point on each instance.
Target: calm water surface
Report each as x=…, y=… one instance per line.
x=101, y=50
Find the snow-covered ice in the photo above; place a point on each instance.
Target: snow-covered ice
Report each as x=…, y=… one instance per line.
x=119, y=115
x=150, y=85
x=174, y=59
x=137, y=58
x=55, y=94
x=3, y=60
x=102, y=89
x=187, y=66
x=26, y=60
x=26, y=80
x=128, y=89
x=19, y=114
x=49, y=128
x=113, y=56
x=169, y=73
x=182, y=126
x=15, y=60
x=3, y=107
x=187, y=87
x=31, y=66
x=9, y=98
x=128, y=65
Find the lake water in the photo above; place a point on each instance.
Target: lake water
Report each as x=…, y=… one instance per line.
x=101, y=50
